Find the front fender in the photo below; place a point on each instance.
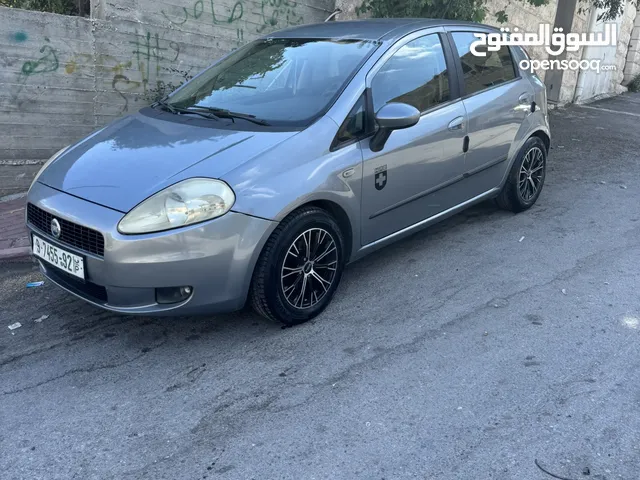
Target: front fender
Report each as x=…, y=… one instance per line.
x=299, y=171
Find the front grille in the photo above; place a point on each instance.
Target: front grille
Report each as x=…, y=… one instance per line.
x=77, y=236
x=88, y=290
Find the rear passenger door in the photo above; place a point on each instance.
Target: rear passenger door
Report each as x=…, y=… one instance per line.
x=497, y=100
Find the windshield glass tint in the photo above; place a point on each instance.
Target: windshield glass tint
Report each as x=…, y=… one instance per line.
x=285, y=81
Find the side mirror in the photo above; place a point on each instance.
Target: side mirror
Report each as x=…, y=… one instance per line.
x=393, y=116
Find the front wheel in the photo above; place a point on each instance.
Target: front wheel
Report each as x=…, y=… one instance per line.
x=300, y=267
x=526, y=178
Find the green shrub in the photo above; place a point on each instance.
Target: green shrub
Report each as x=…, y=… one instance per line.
x=64, y=7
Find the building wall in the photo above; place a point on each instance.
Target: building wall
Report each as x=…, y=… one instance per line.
x=62, y=77
x=592, y=85
x=630, y=23
x=632, y=60
x=42, y=108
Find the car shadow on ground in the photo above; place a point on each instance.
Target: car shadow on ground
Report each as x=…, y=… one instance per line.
x=93, y=338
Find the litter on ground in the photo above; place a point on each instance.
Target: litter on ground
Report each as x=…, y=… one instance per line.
x=13, y=326
x=35, y=284
x=43, y=317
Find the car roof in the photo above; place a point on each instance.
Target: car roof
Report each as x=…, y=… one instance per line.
x=382, y=29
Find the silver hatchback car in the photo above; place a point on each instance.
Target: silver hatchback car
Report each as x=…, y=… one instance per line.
x=263, y=176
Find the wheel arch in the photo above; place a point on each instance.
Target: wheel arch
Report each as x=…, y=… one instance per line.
x=540, y=132
x=542, y=135
x=340, y=216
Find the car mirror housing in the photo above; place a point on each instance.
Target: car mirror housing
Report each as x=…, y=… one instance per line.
x=393, y=116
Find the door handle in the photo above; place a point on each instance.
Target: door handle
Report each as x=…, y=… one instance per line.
x=456, y=124
x=524, y=99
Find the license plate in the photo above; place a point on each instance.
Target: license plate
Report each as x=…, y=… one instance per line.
x=56, y=256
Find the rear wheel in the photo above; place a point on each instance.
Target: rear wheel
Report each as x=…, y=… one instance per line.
x=526, y=178
x=300, y=267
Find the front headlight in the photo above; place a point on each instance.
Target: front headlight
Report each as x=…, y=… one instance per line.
x=185, y=203
x=47, y=163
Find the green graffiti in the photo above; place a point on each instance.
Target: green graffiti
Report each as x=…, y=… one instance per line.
x=196, y=11
x=198, y=8
x=150, y=53
x=272, y=14
x=280, y=10
x=19, y=37
x=236, y=12
x=47, y=63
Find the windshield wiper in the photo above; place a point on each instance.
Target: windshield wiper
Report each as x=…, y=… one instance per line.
x=166, y=106
x=222, y=113
x=212, y=112
x=177, y=110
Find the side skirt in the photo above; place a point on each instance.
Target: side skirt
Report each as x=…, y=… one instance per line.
x=411, y=229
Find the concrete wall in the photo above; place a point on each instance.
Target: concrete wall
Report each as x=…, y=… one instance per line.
x=62, y=77
x=626, y=46
x=42, y=108
x=593, y=85
x=632, y=60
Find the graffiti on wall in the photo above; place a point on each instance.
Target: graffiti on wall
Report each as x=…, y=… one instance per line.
x=19, y=36
x=48, y=62
x=272, y=14
x=195, y=11
x=278, y=13
x=150, y=62
x=150, y=58
x=151, y=53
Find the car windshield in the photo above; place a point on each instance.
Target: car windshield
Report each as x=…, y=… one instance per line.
x=281, y=81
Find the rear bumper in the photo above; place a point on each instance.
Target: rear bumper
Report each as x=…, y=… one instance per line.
x=215, y=258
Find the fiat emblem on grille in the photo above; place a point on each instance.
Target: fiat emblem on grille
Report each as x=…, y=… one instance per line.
x=56, y=230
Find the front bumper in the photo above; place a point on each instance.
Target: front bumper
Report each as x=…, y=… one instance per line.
x=216, y=258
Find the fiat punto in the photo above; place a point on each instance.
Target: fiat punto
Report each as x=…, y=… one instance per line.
x=262, y=177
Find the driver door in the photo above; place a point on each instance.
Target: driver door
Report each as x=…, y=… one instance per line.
x=410, y=179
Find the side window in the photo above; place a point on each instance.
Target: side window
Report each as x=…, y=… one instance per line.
x=354, y=125
x=482, y=72
x=416, y=74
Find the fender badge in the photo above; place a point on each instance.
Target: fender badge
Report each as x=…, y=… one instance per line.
x=380, y=177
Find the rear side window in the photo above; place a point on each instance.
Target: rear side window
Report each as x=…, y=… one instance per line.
x=416, y=74
x=482, y=72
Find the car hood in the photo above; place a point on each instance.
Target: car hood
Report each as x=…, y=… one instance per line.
x=139, y=155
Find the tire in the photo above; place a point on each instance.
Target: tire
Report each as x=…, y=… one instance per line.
x=513, y=196
x=285, y=287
